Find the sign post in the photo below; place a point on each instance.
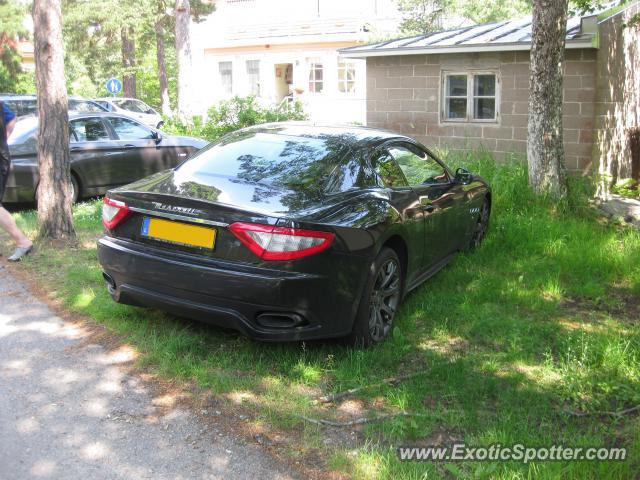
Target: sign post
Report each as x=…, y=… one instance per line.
x=114, y=86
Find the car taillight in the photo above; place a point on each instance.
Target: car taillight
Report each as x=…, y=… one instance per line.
x=280, y=243
x=113, y=213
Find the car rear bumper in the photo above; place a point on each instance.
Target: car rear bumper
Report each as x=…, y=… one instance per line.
x=265, y=304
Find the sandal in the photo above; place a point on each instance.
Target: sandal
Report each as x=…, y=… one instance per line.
x=19, y=253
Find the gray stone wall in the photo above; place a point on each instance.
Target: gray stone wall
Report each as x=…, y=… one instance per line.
x=617, y=108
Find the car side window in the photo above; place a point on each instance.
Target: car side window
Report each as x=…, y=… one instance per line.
x=88, y=130
x=143, y=107
x=388, y=170
x=15, y=106
x=83, y=106
x=129, y=105
x=106, y=105
x=418, y=167
x=23, y=107
x=129, y=130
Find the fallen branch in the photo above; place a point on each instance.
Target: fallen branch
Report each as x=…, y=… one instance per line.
x=358, y=421
x=387, y=381
x=616, y=413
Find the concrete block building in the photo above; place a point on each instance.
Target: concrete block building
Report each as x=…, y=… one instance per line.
x=469, y=87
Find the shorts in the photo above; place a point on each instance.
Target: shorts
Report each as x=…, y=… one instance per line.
x=4, y=177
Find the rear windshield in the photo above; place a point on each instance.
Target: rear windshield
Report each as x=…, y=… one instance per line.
x=24, y=129
x=21, y=107
x=320, y=164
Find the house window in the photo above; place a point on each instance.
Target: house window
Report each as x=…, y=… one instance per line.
x=253, y=76
x=455, y=97
x=470, y=97
x=316, y=84
x=226, y=77
x=484, y=96
x=346, y=76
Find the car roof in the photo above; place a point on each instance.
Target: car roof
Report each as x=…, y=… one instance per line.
x=18, y=96
x=33, y=96
x=110, y=99
x=75, y=115
x=357, y=136
x=27, y=123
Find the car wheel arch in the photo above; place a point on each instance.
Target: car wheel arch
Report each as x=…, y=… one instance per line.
x=488, y=197
x=74, y=176
x=398, y=244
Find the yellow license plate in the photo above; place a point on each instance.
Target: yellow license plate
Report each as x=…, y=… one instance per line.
x=178, y=232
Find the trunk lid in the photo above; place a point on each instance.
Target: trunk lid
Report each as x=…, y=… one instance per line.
x=211, y=202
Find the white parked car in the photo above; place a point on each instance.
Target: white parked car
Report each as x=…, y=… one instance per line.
x=132, y=107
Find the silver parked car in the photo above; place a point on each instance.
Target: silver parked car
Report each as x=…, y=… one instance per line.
x=132, y=107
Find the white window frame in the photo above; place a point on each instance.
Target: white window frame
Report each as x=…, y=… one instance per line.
x=249, y=75
x=312, y=78
x=222, y=84
x=470, y=97
x=344, y=66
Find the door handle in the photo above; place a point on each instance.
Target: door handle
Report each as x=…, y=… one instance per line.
x=74, y=149
x=129, y=146
x=429, y=207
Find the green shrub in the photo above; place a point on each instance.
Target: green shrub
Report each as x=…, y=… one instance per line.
x=627, y=187
x=234, y=114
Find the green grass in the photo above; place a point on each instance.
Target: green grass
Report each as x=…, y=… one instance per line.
x=543, y=318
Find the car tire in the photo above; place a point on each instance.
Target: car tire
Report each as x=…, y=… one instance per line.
x=481, y=226
x=75, y=189
x=380, y=301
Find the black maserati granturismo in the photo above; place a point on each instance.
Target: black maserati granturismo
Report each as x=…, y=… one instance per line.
x=292, y=231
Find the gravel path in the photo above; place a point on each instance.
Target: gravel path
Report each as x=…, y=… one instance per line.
x=70, y=410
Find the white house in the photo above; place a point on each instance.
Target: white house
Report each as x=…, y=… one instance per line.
x=279, y=49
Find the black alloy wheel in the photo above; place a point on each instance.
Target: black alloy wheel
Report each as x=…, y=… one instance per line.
x=481, y=227
x=380, y=301
x=385, y=298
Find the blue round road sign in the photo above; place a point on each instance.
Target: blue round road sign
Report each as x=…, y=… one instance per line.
x=114, y=86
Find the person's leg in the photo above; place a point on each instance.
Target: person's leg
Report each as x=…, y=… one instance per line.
x=8, y=224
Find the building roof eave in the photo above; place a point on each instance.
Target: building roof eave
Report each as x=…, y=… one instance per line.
x=360, y=52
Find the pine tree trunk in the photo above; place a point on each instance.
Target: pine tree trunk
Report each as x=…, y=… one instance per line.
x=183, y=52
x=128, y=62
x=162, y=69
x=545, y=149
x=54, y=194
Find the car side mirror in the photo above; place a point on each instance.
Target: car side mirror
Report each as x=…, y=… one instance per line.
x=463, y=176
x=151, y=111
x=157, y=136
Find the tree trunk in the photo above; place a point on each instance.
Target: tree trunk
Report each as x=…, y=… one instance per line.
x=183, y=52
x=162, y=69
x=128, y=62
x=55, y=195
x=545, y=149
